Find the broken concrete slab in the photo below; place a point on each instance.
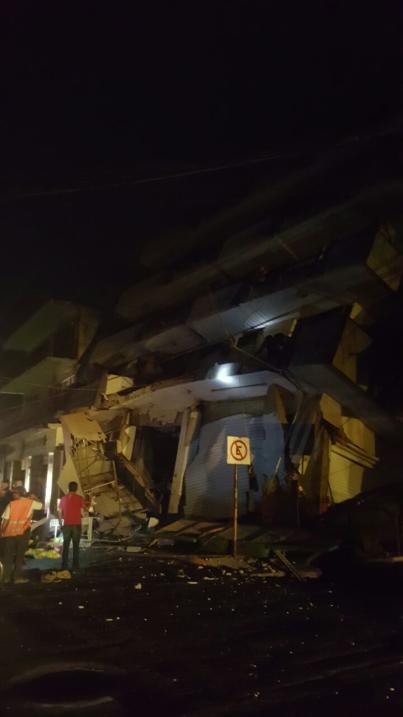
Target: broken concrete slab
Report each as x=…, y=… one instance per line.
x=225, y=561
x=177, y=526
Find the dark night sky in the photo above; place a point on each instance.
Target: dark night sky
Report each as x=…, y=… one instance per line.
x=93, y=93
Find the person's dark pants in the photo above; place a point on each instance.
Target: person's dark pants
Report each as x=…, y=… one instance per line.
x=71, y=533
x=2, y=558
x=14, y=549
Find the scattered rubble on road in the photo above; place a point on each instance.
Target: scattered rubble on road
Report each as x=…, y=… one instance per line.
x=254, y=633
x=209, y=545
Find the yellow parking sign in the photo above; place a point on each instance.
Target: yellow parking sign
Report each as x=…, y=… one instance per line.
x=238, y=451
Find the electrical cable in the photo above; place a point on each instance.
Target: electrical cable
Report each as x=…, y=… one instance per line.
x=148, y=180
x=348, y=141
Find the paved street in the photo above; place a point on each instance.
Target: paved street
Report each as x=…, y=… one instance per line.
x=154, y=633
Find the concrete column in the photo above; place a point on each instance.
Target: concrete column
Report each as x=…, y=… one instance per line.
x=190, y=419
x=58, y=460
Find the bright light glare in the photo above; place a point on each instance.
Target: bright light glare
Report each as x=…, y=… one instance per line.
x=49, y=481
x=27, y=481
x=223, y=374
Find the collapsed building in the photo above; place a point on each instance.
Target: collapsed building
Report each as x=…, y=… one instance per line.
x=292, y=385
x=259, y=324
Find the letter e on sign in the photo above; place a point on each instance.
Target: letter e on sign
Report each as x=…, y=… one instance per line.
x=238, y=451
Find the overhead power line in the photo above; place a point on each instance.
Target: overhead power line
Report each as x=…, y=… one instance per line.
x=390, y=128
x=78, y=189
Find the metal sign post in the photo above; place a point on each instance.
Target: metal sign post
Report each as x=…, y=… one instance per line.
x=238, y=453
x=235, y=515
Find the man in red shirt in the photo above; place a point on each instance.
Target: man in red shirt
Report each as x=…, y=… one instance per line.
x=70, y=509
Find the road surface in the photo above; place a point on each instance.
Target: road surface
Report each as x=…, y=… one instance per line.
x=153, y=635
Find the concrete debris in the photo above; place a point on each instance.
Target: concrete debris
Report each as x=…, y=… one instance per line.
x=50, y=578
x=223, y=561
x=152, y=523
x=163, y=542
x=386, y=560
x=118, y=526
x=257, y=548
x=64, y=574
x=82, y=427
x=310, y=573
x=56, y=576
x=120, y=496
x=289, y=565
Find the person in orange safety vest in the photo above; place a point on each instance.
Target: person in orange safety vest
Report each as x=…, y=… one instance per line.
x=15, y=531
